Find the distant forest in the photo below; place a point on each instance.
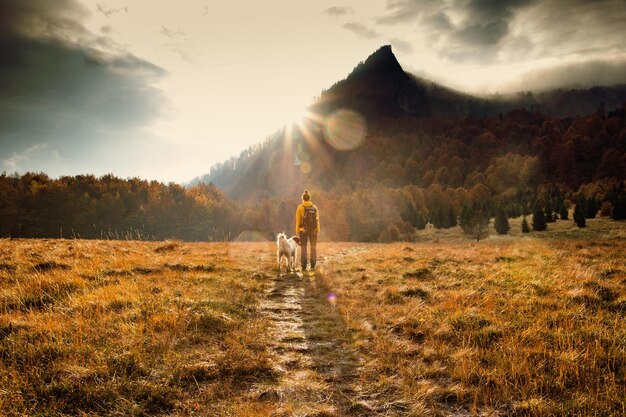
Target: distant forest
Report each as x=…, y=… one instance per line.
x=409, y=172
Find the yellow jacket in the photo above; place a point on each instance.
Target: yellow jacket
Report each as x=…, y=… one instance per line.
x=300, y=215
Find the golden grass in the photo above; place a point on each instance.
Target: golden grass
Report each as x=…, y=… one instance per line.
x=129, y=328
x=524, y=327
x=507, y=326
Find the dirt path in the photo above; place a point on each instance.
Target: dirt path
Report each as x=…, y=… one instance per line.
x=313, y=350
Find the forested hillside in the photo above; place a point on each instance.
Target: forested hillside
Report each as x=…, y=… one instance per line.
x=416, y=169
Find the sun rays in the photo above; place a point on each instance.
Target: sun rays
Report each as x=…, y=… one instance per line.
x=313, y=135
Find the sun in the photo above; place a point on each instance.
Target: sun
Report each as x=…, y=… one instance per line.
x=296, y=115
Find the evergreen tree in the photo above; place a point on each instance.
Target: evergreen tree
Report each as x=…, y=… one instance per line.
x=451, y=218
x=563, y=213
x=501, y=223
x=618, y=200
x=539, y=220
x=550, y=216
x=515, y=210
x=591, y=208
x=579, y=213
x=464, y=217
x=525, y=228
x=435, y=218
x=420, y=221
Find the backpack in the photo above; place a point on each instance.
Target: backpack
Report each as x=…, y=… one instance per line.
x=309, y=219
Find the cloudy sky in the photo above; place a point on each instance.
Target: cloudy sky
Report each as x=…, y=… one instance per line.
x=163, y=90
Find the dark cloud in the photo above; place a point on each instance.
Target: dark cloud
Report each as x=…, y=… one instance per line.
x=61, y=94
x=475, y=11
x=59, y=19
x=481, y=24
x=361, y=30
x=439, y=22
x=338, y=11
x=491, y=30
x=487, y=34
x=486, y=11
x=479, y=36
x=559, y=27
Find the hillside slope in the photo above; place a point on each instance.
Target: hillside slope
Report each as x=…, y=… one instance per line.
x=415, y=131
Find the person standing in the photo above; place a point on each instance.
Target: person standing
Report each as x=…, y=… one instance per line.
x=307, y=227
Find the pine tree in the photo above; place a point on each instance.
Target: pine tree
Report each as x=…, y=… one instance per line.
x=550, y=216
x=579, y=213
x=591, y=208
x=420, y=221
x=525, y=228
x=515, y=211
x=435, y=218
x=451, y=218
x=501, y=223
x=563, y=214
x=464, y=217
x=539, y=220
x=618, y=200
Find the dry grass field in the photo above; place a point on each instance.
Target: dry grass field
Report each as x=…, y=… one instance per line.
x=518, y=325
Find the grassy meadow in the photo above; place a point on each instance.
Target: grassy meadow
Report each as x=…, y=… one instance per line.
x=517, y=325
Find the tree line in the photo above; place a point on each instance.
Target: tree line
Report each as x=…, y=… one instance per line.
x=34, y=205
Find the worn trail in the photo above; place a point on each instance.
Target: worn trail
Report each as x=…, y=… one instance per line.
x=312, y=348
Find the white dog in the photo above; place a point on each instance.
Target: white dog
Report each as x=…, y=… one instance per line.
x=287, y=248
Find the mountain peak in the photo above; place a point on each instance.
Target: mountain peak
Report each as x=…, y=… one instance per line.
x=376, y=88
x=381, y=64
x=383, y=54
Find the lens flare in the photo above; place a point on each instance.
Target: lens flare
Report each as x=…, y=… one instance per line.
x=332, y=298
x=345, y=130
x=305, y=168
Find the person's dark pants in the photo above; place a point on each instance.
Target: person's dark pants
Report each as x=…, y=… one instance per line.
x=305, y=237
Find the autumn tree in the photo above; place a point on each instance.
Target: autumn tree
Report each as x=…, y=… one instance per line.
x=474, y=221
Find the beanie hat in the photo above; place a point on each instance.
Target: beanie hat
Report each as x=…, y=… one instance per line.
x=306, y=196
